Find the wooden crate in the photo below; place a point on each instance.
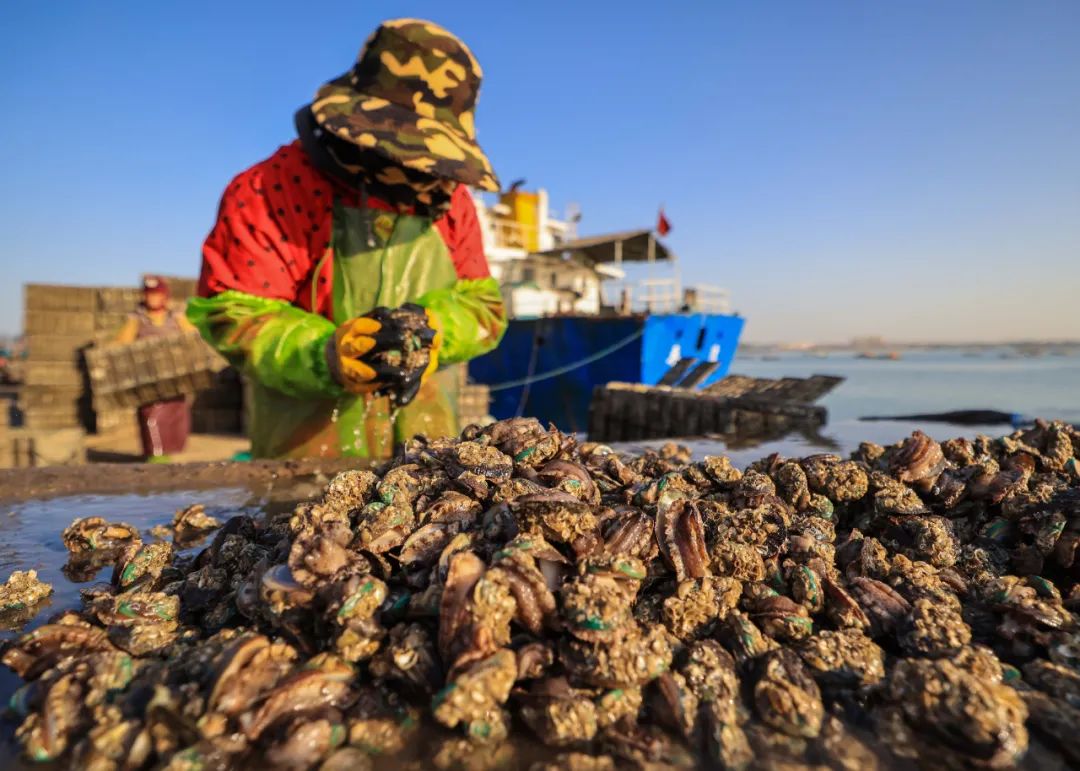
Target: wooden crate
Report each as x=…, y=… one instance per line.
x=109, y=420
x=55, y=418
x=54, y=373
x=60, y=448
x=16, y=450
x=55, y=406
x=118, y=299
x=792, y=389
x=50, y=396
x=106, y=325
x=152, y=370
x=53, y=297
x=27, y=447
x=474, y=400
x=474, y=404
x=55, y=347
x=60, y=322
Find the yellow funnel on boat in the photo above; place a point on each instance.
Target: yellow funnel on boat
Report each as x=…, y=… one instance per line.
x=525, y=212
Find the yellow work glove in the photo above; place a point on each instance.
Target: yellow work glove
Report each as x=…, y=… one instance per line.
x=436, y=344
x=353, y=352
x=352, y=342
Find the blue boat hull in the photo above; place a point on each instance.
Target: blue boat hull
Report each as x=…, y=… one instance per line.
x=584, y=352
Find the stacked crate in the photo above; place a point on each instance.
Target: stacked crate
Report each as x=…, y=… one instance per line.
x=24, y=447
x=15, y=448
x=474, y=400
x=10, y=445
x=60, y=322
x=115, y=305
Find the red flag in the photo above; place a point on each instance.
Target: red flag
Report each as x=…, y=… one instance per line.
x=663, y=227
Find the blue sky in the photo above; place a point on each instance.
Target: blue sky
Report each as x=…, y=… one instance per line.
x=909, y=169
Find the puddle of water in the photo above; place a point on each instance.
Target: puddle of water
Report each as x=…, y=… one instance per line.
x=30, y=531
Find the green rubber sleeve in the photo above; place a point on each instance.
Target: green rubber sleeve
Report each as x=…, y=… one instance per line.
x=471, y=315
x=277, y=344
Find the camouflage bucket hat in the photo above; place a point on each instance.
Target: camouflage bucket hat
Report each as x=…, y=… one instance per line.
x=410, y=97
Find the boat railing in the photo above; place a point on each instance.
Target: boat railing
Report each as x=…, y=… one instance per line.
x=707, y=298
x=650, y=295
x=659, y=295
x=665, y=295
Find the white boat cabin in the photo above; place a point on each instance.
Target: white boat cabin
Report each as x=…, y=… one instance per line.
x=545, y=269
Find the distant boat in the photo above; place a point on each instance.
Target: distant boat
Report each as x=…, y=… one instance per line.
x=890, y=356
x=577, y=322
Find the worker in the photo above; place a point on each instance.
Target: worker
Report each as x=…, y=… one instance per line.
x=367, y=211
x=163, y=426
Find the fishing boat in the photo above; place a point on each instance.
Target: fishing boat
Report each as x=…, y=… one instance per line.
x=577, y=319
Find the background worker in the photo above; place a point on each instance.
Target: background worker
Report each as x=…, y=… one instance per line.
x=367, y=211
x=163, y=426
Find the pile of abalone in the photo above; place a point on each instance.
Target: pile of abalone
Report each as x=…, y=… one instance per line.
x=515, y=599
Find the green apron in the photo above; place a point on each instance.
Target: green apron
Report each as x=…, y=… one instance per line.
x=379, y=259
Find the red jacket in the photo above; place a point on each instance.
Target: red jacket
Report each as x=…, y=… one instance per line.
x=275, y=221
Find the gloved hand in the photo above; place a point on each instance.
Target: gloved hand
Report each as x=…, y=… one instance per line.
x=436, y=343
x=351, y=353
x=429, y=336
x=371, y=354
